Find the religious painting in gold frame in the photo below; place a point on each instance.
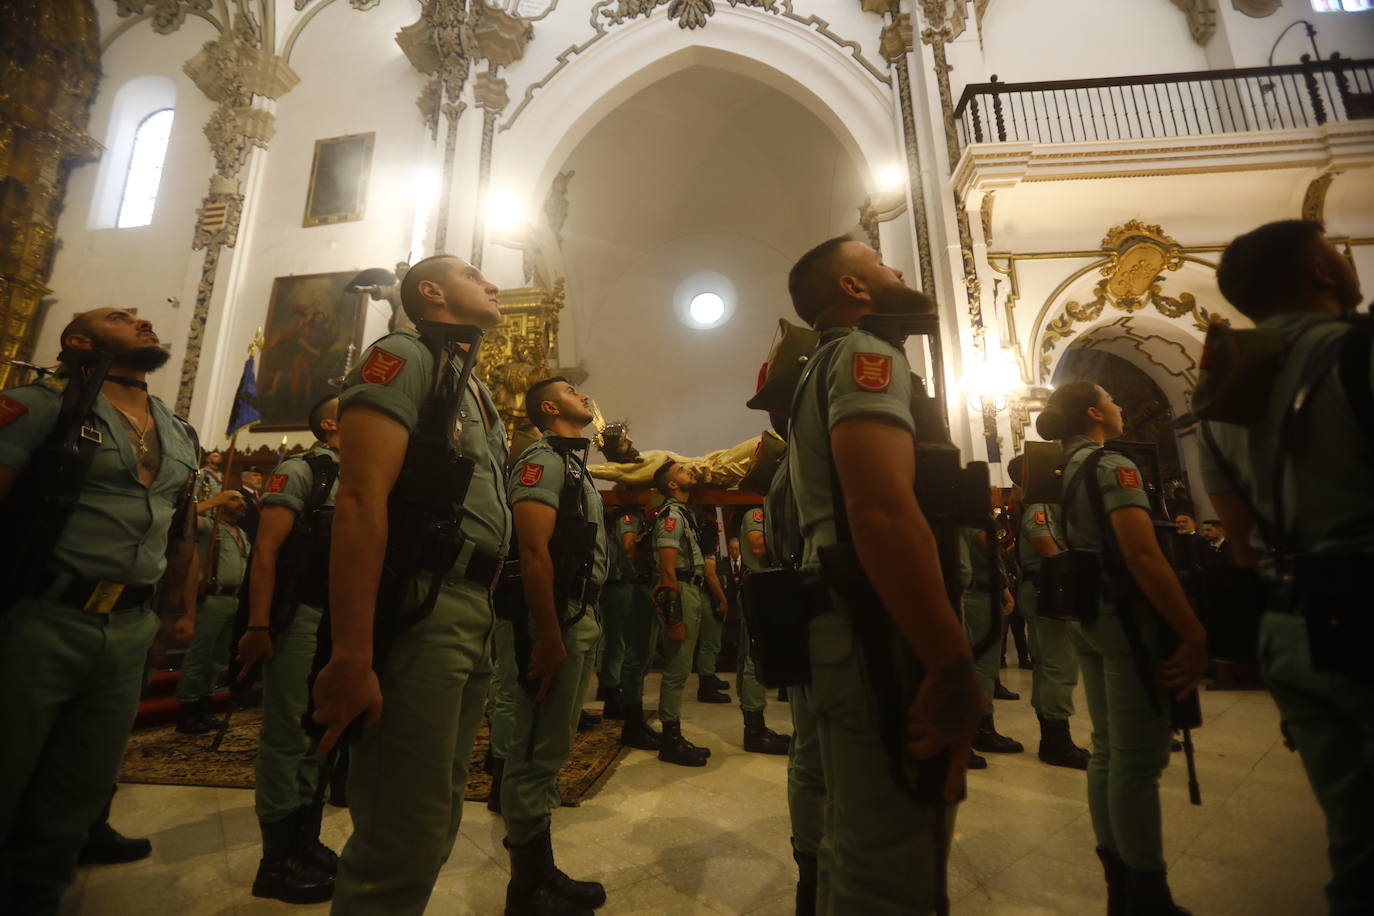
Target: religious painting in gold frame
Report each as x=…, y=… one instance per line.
x=338, y=179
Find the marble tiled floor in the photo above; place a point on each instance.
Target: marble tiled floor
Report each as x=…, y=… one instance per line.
x=668, y=840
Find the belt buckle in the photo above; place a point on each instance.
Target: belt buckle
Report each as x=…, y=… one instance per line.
x=103, y=597
x=496, y=576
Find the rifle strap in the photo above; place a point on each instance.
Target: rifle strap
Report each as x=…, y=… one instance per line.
x=1354, y=372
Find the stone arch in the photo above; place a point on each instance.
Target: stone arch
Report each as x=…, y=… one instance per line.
x=538, y=138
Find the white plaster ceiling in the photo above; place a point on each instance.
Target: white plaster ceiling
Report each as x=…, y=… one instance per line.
x=703, y=171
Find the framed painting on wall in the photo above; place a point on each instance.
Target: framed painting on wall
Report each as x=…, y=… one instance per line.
x=338, y=180
x=311, y=321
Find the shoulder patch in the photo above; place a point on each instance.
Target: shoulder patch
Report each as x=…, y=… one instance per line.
x=670, y=523
x=758, y=515
x=381, y=367
x=1040, y=518
x=872, y=371
x=11, y=410
x=531, y=474
x=277, y=483
x=1128, y=477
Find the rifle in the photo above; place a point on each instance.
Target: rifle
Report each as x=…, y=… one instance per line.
x=48, y=490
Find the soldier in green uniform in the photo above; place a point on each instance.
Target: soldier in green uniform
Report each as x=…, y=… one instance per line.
x=710, y=688
x=753, y=699
x=500, y=707
x=1056, y=663
x=1290, y=280
x=983, y=604
x=212, y=621
x=883, y=850
x=625, y=598
x=560, y=527
x=613, y=620
x=408, y=773
x=1131, y=730
x=680, y=598
x=295, y=866
x=72, y=653
x=210, y=478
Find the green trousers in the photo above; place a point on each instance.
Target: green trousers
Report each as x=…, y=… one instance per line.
x=1131, y=736
x=207, y=658
x=1329, y=718
x=708, y=639
x=70, y=681
x=639, y=629
x=543, y=737
x=677, y=655
x=409, y=772
x=286, y=770
x=752, y=696
x=805, y=777
x=880, y=853
x=976, y=607
x=614, y=621
x=1056, y=663
x=504, y=685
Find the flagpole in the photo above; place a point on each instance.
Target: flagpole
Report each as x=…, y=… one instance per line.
x=211, y=556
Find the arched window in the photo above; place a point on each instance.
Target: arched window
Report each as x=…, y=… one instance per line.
x=145, y=170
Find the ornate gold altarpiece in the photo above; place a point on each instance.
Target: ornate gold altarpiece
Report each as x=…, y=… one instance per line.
x=522, y=349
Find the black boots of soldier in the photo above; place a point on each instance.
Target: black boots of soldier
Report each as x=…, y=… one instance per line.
x=807, y=871
x=760, y=739
x=496, y=766
x=538, y=888
x=196, y=718
x=1057, y=747
x=296, y=867
x=1133, y=892
x=711, y=689
x=636, y=732
x=987, y=740
x=1118, y=879
x=614, y=707
x=107, y=846
x=677, y=749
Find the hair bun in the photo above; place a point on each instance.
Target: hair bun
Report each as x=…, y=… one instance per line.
x=1051, y=424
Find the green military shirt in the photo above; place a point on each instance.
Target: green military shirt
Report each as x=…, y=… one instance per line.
x=1038, y=520
x=208, y=484
x=620, y=567
x=538, y=476
x=396, y=376
x=867, y=378
x=290, y=483
x=118, y=530
x=231, y=551
x=752, y=521
x=1118, y=479
x=1328, y=505
x=676, y=528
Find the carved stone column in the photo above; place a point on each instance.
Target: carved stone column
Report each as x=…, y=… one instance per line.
x=896, y=46
x=501, y=39
x=49, y=70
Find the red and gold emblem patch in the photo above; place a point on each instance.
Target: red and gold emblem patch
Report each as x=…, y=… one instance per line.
x=670, y=524
x=758, y=515
x=1040, y=518
x=381, y=367
x=1128, y=477
x=531, y=474
x=277, y=483
x=11, y=410
x=872, y=371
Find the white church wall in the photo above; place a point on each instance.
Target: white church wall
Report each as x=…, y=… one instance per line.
x=97, y=265
x=1250, y=39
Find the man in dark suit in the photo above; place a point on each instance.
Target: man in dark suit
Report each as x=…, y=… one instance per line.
x=1218, y=552
x=250, y=485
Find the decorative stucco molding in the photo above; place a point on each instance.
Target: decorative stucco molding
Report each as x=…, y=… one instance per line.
x=1202, y=18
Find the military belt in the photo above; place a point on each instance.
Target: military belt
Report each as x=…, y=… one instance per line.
x=698, y=580
x=484, y=569
x=222, y=591
x=101, y=597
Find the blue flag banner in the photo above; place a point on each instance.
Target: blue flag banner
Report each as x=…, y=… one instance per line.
x=245, y=410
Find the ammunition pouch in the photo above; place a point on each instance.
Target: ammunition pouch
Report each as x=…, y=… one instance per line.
x=668, y=603
x=778, y=605
x=1070, y=586
x=1329, y=591
x=1230, y=602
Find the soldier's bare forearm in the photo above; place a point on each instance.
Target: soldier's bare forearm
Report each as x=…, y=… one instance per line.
x=355, y=570
x=955, y=701
x=536, y=571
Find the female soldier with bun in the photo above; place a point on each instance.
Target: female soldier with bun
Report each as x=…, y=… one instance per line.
x=1131, y=731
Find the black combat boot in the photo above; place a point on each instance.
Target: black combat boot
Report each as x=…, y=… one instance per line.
x=107, y=846
x=1148, y=894
x=760, y=739
x=717, y=682
x=285, y=873
x=1002, y=693
x=538, y=888
x=1057, y=747
x=637, y=733
x=191, y=722
x=708, y=692
x=586, y=721
x=988, y=741
x=976, y=762
x=1115, y=872
x=614, y=707
x=206, y=705
x=677, y=749
x=308, y=820
x=806, y=881
x=497, y=767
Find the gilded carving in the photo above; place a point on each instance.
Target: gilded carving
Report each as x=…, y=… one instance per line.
x=948, y=16
x=688, y=14
x=556, y=203
x=895, y=40
x=985, y=216
x=868, y=222
x=168, y=15
x=501, y=37
x=233, y=132
x=522, y=348
x=1314, y=200
x=1202, y=18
